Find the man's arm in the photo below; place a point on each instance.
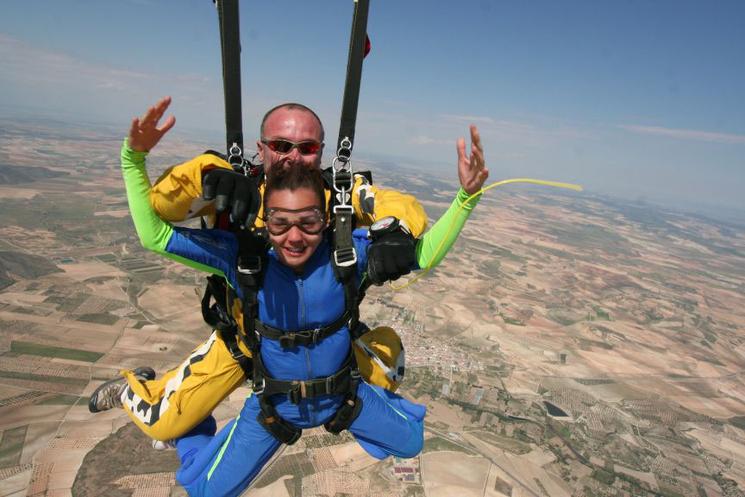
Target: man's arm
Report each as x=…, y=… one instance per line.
x=395, y=253
x=177, y=194
x=390, y=255
x=372, y=203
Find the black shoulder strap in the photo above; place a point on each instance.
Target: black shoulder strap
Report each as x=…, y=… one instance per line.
x=251, y=268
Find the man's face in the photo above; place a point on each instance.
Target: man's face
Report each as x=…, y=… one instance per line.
x=293, y=125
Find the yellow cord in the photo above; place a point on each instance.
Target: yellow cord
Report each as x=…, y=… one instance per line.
x=425, y=270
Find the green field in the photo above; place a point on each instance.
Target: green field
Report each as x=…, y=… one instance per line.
x=11, y=445
x=438, y=444
x=60, y=400
x=98, y=318
x=36, y=349
x=506, y=443
x=13, y=375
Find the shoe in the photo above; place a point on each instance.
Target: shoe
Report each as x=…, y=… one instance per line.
x=164, y=445
x=109, y=394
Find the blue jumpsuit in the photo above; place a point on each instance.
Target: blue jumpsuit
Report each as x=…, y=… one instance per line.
x=225, y=464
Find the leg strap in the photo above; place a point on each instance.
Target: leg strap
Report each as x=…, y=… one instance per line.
x=345, y=416
x=280, y=429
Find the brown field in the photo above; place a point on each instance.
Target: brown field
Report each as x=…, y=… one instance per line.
x=627, y=317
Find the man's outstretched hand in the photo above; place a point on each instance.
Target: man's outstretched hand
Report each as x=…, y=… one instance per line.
x=472, y=170
x=144, y=132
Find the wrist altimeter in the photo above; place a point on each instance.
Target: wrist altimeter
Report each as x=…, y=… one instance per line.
x=383, y=226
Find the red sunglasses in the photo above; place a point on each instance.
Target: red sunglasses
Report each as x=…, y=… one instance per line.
x=309, y=147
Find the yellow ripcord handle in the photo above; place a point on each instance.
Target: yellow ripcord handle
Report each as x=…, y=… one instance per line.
x=425, y=270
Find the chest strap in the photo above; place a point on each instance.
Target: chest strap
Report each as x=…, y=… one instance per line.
x=290, y=339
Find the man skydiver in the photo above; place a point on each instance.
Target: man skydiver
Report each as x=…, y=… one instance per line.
x=382, y=422
x=290, y=134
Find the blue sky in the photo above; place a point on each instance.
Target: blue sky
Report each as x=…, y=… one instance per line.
x=639, y=99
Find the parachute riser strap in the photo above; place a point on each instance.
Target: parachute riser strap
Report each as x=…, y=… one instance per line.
x=230, y=44
x=357, y=39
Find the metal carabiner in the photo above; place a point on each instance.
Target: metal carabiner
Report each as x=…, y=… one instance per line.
x=235, y=156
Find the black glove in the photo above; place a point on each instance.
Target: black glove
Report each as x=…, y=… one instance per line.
x=390, y=256
x=234, y=191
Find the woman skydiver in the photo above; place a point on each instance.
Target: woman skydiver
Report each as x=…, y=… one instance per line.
x=299, y=292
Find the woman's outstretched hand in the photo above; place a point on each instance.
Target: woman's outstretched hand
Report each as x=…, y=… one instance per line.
x=472, y=170
x=144, y=132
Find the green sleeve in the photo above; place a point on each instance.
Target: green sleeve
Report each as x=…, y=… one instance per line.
x=154, y=233
x=436, y=242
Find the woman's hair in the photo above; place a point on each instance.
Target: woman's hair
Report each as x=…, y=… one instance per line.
x=293, y=177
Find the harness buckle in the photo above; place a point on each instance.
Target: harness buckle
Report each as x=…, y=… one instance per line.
x=330, y=384
x=261, y=387
x=249, y=264
x=344, y=209
x=297, y=392
x=236, y=353
x=345, y=257
x=287, y=340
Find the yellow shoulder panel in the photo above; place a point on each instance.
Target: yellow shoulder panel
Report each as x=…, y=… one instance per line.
x=177, y=194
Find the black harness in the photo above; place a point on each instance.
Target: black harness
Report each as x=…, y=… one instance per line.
x=219, y=299
x=253, y=248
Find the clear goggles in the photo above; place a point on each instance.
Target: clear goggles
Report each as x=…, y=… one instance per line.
x=309, y=220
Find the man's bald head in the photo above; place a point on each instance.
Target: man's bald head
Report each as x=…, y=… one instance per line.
x=291, y=106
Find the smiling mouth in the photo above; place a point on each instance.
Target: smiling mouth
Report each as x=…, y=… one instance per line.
x=294, y=251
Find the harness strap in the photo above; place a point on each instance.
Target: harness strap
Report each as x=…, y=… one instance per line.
x=231, y=342
x=345, y=415
x=305, y=337
x=215, y=314
x=272, y=422
x=296, y=390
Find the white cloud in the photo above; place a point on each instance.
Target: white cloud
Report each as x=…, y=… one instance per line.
x=686, y=134
x=27, y=64
x=468, y=119
x=427, y=140
x=44, y=77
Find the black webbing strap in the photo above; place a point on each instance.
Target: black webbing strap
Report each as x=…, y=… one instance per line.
x=230, y=44
x=296, y=390
x=231, y=342
x=289, y=339
x=215, y=314
x=346, y=414
x=282, y=430
x=354, y=74
x=252, y=259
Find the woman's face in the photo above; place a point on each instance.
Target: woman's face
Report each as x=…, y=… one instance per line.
x=295, y=224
